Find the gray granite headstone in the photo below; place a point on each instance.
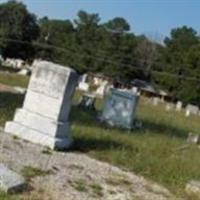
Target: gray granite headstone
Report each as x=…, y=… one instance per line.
x=44, y=116
x=10, y=181
x=119, y=109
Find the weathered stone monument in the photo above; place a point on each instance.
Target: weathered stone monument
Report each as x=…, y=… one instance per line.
x=44, y=116
x=120, y=108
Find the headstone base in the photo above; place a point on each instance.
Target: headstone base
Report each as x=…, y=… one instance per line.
x=37, y=137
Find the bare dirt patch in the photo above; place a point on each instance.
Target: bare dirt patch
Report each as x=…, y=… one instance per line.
x=74, y=176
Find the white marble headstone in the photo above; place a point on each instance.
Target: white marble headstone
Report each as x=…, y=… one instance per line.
x=44, y=116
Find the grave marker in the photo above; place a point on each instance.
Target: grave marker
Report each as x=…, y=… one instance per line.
x=120, y=108
x=179, y=106
x=191, y=109
x=44, y=116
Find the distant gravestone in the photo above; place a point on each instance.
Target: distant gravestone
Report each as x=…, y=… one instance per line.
x=179, y=106
x=120, y=108
x=134, y=90
x=155, y=101
x=10, y=181
x=193, y=138
x=44, y=116
x=83, y=85
x=101, y=90
x=191, y=109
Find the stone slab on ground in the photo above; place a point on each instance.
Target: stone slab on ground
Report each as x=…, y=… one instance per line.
x=10, y=181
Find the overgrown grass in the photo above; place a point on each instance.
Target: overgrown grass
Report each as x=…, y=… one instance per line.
x=30, y=172
x=14, y=80
x=154, y=151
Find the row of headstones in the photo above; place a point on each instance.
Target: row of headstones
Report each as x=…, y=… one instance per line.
x=102, y=85
x=104, y=88
x=189, y=109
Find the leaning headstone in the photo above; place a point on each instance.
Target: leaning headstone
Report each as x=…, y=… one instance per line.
x=192, y=189
x=44, y=116
x=10, y=181
x=193, y=138
x=120, y=108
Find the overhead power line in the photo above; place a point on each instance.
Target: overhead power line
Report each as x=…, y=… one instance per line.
x=101, y=58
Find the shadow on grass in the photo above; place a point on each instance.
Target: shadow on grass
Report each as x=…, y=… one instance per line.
x=84, y=144
x=162, y=128
x=8, y=104
x=89, y=118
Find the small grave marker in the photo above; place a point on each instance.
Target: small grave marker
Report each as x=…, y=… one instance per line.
x=193, y=138
x=179, y=106
x=120, y=108
x=10, y=181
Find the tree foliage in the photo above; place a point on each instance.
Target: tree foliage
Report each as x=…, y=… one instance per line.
x=110, y=48
x=18, y=24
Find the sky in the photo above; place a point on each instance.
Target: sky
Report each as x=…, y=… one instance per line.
x=155, y=18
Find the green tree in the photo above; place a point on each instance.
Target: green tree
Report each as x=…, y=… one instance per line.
x=17, y=23
x=180, y=58
x=117, y=25
x=58, y=34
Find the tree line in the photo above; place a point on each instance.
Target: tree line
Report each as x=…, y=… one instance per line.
x=88, y=45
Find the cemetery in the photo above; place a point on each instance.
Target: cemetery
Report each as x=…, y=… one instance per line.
x=99, y=106
x=163, y=149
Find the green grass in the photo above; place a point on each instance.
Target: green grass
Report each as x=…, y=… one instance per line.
x=79, y=185
x=154, y=151
x=14, y=80
x=31, y=172
x=96, y=189
x=4, y=196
